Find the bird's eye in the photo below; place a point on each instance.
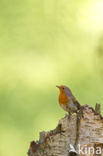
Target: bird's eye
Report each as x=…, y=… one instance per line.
x=63, y=88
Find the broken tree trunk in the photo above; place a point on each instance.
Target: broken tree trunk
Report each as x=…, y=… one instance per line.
x=81, y=134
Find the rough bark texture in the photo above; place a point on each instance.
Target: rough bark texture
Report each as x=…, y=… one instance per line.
x=80, y=131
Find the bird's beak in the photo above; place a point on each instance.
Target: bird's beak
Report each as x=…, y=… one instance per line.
x=57, y=86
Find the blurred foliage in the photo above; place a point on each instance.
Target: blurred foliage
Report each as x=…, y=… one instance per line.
x=42, y=44
x=99, y=58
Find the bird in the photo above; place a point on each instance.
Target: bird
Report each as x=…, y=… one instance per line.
x=67, y=100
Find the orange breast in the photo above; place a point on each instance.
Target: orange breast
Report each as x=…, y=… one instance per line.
x=63, y=99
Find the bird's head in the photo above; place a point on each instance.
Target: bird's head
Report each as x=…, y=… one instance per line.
x=64, y=90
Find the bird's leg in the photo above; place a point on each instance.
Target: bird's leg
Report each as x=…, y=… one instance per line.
x=69, y=115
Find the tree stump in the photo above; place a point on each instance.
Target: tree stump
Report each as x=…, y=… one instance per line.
x=81, y=134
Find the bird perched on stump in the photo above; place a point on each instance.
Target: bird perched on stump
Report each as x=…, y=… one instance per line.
x=67, y=101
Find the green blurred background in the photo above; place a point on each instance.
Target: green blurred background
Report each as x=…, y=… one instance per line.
x=44, y=44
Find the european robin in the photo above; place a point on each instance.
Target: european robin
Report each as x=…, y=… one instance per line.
x=67, y=101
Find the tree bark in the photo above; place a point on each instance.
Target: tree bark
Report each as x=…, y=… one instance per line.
x=80, y=134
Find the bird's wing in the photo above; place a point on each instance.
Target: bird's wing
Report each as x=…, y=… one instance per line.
x=76, y=102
